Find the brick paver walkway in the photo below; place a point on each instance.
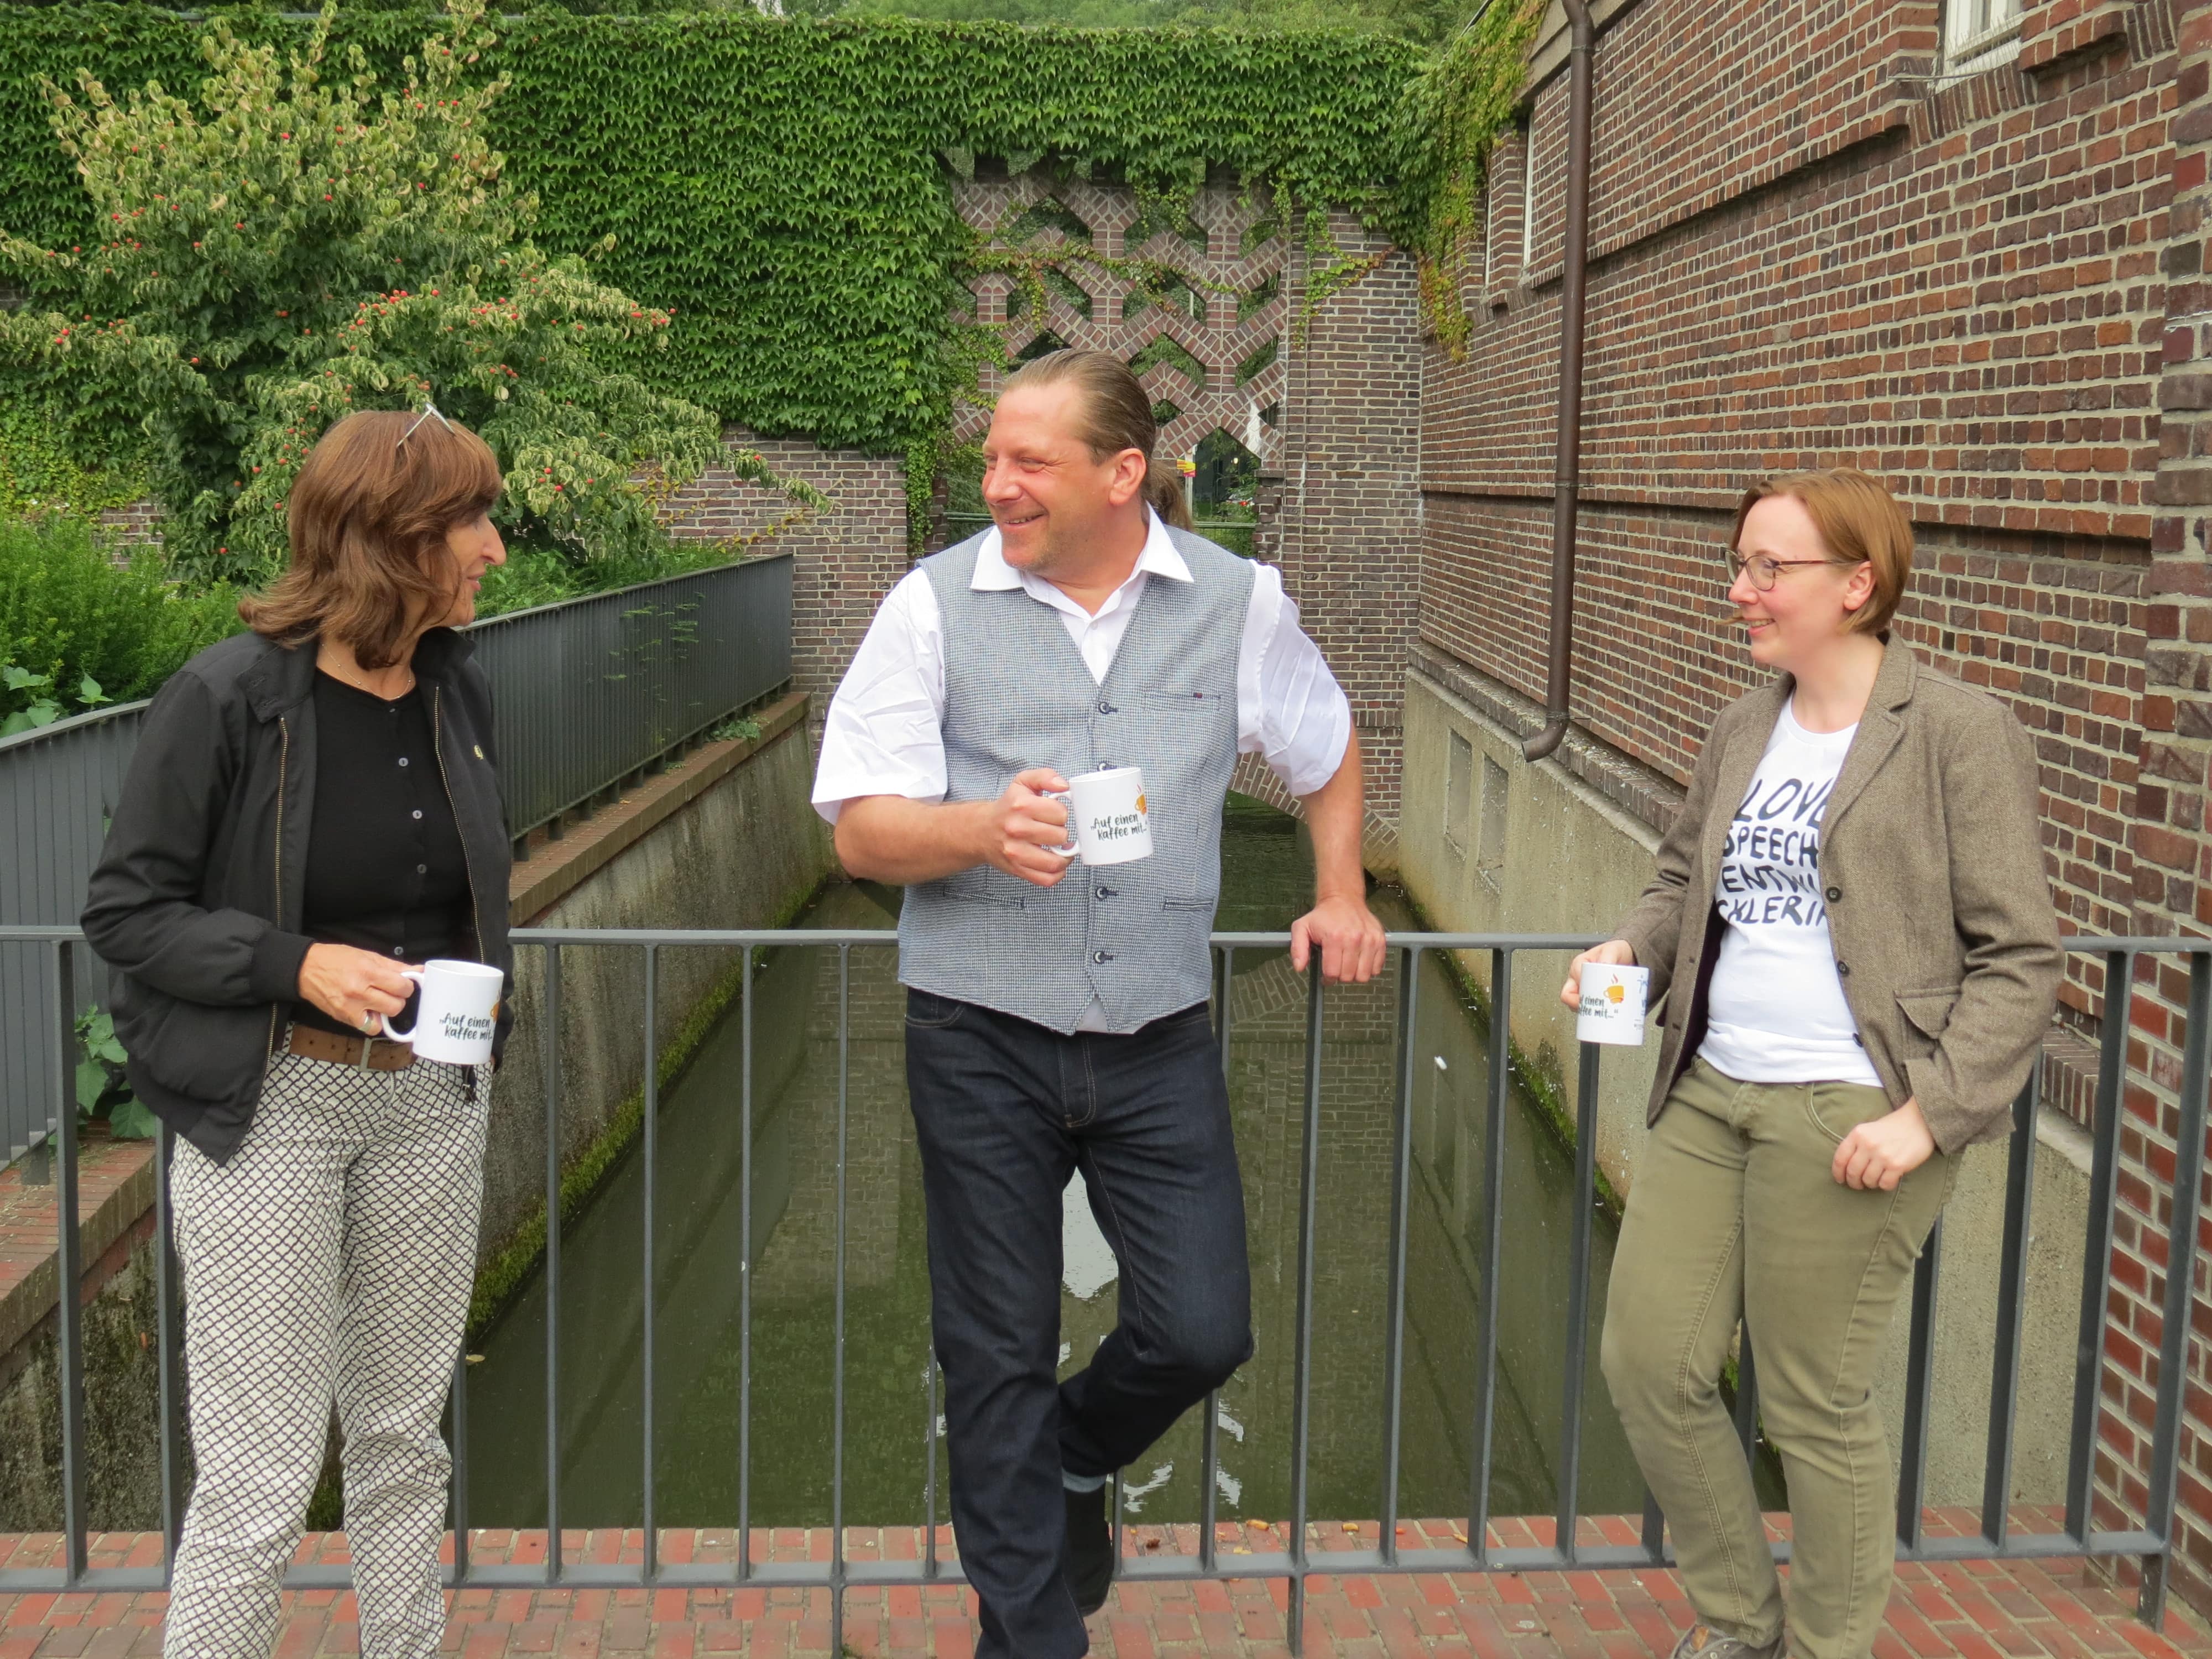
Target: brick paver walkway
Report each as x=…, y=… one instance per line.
x=1978, y=1610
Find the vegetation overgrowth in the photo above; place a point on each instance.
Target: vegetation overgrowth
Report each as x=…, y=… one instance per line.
x=69, y=614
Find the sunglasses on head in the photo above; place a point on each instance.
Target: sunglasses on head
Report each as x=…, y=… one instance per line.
x=429, y=409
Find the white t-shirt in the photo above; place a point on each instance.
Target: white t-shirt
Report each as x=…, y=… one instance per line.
x=1775, y=1013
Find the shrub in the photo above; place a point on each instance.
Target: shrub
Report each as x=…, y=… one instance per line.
x=297, y=245
x=69, y=613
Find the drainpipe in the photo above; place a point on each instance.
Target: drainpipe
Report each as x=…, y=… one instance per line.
x=1567, y=473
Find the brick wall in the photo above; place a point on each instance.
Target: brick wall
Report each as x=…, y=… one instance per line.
x=847, y=558
x=1986, y=290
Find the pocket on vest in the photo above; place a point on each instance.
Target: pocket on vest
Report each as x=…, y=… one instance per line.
x=986, y=886
x=1205, y=904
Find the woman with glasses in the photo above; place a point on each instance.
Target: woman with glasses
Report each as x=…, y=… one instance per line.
x=1853, y=933
x=314, y=807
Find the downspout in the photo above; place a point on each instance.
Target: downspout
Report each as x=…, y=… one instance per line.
x=1567, y=473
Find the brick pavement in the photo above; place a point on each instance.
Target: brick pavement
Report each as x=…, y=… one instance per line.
x=1976, y=1610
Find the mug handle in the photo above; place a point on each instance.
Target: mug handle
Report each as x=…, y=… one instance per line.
x=1065, y=798
x=407, y=1036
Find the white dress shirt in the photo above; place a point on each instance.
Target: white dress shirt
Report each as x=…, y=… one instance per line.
x=885, y=735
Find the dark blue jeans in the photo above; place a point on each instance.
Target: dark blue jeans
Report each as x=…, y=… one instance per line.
x=1005, y=1111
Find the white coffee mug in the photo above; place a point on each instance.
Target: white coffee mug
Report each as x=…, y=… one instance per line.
x=1109, y=819
x=1611, y=1009
x=456, y=1014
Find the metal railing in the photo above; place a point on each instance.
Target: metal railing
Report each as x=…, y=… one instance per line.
x=589, y=690
x=586, y=694
x=2153, y=1542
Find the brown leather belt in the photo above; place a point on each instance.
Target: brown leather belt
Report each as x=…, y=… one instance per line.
x=372, y=1053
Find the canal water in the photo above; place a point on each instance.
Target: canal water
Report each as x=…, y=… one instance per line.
x=889, y=1428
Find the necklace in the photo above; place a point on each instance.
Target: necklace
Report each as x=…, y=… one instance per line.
x=360, y=685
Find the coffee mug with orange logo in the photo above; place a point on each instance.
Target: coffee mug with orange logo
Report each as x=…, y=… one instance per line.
x=1109, y=819
x=1611, y=1009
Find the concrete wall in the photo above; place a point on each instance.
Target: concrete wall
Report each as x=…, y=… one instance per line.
x=743, y=855
x=1544, y=853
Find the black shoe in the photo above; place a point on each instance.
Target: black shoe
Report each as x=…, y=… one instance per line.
x=1089, y=1558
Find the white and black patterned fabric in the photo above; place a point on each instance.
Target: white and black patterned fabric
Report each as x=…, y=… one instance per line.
x=330, y=1258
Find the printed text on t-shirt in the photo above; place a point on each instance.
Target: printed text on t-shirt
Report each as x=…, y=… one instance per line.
x=1771, y=862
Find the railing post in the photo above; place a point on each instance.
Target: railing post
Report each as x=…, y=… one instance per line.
x=69, y=1294
x=1578, y=1266
x=1493, y=1247
x=2012, y=1308
x=1394, y=1333
x=1919, y=1386
x=651, y=1153
x=550, y=1046
x=837, y=1358
x=2097, y=1245
x=2180, y=1286
x=1302, y=1376
x=746, y=1271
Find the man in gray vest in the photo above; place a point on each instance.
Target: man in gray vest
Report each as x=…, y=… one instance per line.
x=1056, y=1015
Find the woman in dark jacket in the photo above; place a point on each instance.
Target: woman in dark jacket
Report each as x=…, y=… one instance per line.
x=312, y=808
x=1853, y=932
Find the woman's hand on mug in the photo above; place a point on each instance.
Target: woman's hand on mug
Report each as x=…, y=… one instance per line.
x=1883, y=1152
x=1614, y=953
x=352, y=986
x=1025, y=824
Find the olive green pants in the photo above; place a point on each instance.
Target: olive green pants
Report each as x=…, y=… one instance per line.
x=1734, y=1215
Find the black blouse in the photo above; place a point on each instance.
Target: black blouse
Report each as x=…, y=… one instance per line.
x=385, y=870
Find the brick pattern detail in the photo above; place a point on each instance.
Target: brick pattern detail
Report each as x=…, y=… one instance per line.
x=1238, y=327
x=1967, y=1610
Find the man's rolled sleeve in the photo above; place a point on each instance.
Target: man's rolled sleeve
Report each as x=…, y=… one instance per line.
x=885, y=732
x=1291, y=711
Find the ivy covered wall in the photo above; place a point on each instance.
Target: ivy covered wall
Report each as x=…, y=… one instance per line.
x=784, y=186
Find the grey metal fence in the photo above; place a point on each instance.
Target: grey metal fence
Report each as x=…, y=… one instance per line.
x=585, y=694
x=587, y=691
x=56, y=787
x=1576, y=1546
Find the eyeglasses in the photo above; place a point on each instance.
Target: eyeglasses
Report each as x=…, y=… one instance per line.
x=1765, y=569
x=428, y=409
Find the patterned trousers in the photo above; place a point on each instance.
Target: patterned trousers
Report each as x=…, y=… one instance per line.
x=331, y=1259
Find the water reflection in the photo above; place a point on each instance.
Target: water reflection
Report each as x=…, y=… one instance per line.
x=889, y=1429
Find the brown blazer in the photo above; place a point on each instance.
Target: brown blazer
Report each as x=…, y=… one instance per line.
x=1939, y=911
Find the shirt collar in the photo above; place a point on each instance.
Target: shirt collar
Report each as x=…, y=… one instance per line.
x=993, y=574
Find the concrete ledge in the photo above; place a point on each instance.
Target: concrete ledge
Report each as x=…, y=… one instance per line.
x=115, y=1188
x=556, y=868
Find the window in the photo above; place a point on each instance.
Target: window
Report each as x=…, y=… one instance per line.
x=1459, y=793
x=1527, y=198
x=1490, y=857
x=1979, y=35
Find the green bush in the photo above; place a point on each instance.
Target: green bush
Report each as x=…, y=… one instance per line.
x=68, y=612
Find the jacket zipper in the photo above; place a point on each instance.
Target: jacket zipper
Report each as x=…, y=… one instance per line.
x=283, y=776
x=438, y=747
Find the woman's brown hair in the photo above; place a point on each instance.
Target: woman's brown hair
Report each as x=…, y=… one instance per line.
x=1860, y=522
x=367, y=517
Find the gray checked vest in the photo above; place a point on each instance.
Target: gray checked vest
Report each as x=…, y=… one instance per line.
x=1017, y=695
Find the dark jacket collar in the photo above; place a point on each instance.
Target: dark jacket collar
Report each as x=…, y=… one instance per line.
x=282, y=676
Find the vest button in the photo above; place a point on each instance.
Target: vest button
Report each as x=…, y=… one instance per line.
x=1104, y=706
x=1105, y=892
x=1102, y=956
